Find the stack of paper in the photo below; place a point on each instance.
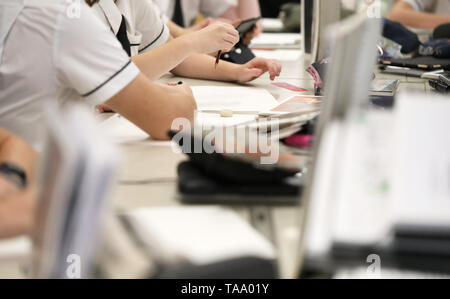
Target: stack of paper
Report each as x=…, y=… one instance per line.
x=198, y=235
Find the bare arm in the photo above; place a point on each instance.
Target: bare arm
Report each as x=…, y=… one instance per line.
x=201, y=66
x=176, y=30
x=165, y=58
x=248, y=9
x=153, y=107
x=405, y=14
x=17, y=213
x=16, y=206
x=15, y=150
x=158, y=61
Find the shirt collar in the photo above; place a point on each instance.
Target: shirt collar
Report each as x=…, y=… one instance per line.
x=112, y=14
x=9, y=12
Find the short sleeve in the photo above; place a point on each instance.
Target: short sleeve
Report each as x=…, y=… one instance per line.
x=214, y=8
x=421, y=5
x=89, y=58
x=150, y=23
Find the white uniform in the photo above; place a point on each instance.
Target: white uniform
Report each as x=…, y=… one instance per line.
x=51, y=51
x=440, y=7
x=146, y=27
x=192, y=8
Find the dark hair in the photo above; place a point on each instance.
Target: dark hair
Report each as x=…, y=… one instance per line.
x=91, y=2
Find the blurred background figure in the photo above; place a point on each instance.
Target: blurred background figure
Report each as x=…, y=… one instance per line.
x=272, y=8
x=17, y=166
x=197, y=14
x=425, y=14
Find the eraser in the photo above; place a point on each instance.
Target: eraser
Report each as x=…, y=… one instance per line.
x=226, y=113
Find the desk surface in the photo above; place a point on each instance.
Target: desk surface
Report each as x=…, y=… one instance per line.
x=155, y=165
x=148, y=176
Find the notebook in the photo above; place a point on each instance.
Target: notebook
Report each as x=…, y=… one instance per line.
x=386, y=88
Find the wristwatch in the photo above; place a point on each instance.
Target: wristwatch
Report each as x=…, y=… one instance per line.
x=14, y=173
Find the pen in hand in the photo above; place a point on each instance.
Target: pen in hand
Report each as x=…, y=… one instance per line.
x=218, y=58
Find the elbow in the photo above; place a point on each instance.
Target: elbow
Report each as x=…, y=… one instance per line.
x=182, y=113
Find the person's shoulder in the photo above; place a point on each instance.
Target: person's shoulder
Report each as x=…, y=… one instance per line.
x=140, y=3
x=54, y=6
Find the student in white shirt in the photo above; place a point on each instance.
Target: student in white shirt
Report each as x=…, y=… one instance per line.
x=224, y=9
x=55, y=50
x=16, y=202
x=426, y=14
x=144, y=26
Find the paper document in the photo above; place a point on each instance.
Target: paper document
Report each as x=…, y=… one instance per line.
x=422, y=164
x=198, y=235
x=233, y=98
x=279, y=54
x=294, y=104
x=272, y=24
x=276, y=40
x=15, y=249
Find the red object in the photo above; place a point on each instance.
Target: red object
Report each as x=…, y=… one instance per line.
x=300, y=140
x=289, y=87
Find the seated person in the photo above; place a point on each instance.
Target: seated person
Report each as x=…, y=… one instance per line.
x=425, y=14
x=272, y=8
x=72, y=57
x=16, y=191
x=155, y=52
x=181, y=14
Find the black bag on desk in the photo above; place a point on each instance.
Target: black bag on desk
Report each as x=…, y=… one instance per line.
x=197, y=187
x=241, y=268
x=422, y=62
x=442, y=31
x=214, y=178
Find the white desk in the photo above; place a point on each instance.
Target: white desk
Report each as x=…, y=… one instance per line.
x=156, y=164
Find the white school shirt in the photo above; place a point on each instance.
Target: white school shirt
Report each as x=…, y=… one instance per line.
x=440, y=7
x=146, y=28
x=192, y=8
x=55, y=50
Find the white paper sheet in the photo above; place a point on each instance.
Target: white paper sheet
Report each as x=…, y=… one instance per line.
x=270, y=24
x=277, y=40
x=280, y=54
x=15, y=249
x=422, y=166
x=233, y=98
x=200, y=235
